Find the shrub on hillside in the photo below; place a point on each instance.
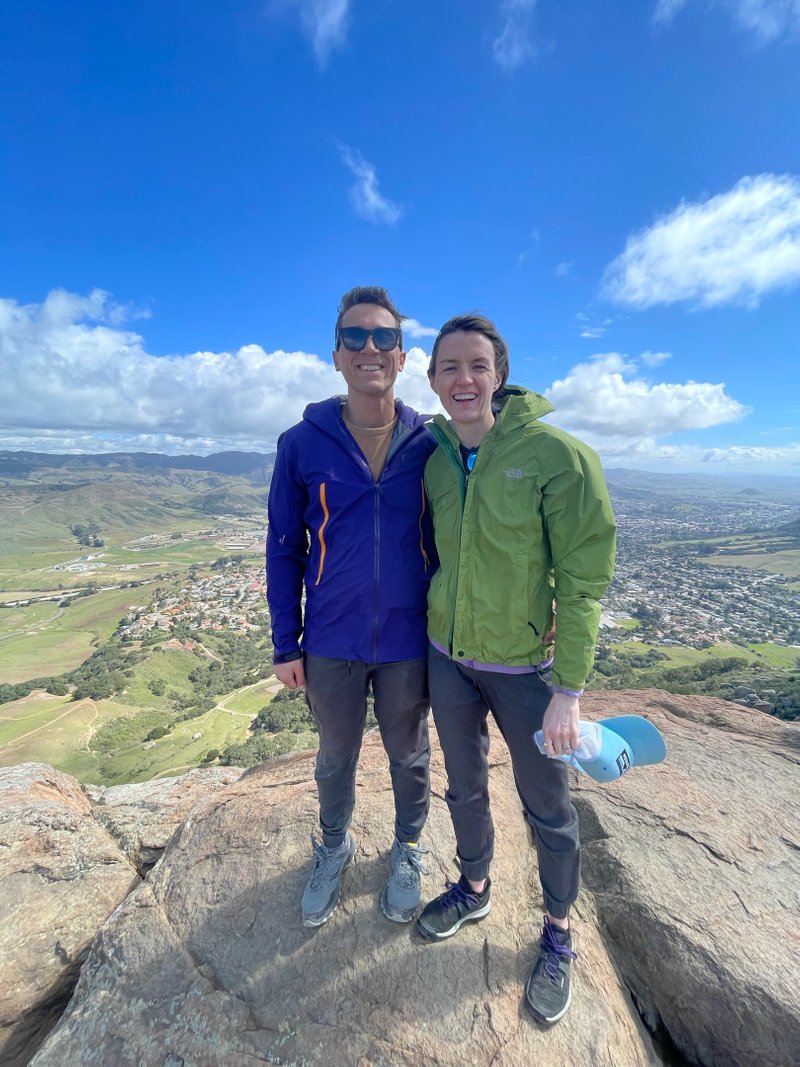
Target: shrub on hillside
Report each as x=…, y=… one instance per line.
x=258, y=749
x=123, y=733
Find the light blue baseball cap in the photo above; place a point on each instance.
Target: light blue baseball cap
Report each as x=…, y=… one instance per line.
x=627, y=741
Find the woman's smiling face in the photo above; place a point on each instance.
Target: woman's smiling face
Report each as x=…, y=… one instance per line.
x=465, y=379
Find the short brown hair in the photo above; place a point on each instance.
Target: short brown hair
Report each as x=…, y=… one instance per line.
x=472, y=322
x=367, y=294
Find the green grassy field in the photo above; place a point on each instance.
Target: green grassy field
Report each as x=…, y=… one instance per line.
x=57, y=730
x=773, y=655
x=252, y=699
x=45, y=639
x=777, y=655
x=785, y=562
x=170, y=666
x=25, y=718
x=175, y=753
x=627, y=624
x=45, y=729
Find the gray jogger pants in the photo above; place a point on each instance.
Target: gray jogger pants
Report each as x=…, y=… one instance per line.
x=461, y=699
x=336, y=692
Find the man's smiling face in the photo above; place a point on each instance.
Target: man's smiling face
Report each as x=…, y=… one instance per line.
x=370, y=371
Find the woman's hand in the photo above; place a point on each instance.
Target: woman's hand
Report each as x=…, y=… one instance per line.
x=560, y=726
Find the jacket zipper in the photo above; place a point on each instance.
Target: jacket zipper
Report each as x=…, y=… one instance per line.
x=360, y=460
x=458, y=467
x=376, y=583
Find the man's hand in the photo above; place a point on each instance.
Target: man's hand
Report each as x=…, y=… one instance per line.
x=292, y=674
x=560, y=725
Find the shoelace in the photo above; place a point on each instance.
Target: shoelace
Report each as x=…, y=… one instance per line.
x=555, y=952
x=323, y=863
x=410, y=863
x=456, y=893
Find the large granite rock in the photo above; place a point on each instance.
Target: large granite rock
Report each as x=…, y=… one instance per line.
x=143, y=816
x=207, y=963
x=61, y=876
x=694, y=866
x=690, y=900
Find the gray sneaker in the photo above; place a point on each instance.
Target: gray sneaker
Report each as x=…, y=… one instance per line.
x=321, y=894
x=400, y=896
x=547, y=993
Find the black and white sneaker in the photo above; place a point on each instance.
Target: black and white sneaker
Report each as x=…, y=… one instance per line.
x=460, y=904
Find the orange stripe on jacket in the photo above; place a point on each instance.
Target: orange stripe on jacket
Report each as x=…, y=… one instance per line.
x=321, y=533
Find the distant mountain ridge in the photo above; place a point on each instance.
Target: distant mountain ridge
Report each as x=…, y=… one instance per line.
x=253, y=465
x=125, y=494
x=753, y=485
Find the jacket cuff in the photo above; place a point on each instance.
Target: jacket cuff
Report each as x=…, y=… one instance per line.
x=566, y=692
x=286, y=657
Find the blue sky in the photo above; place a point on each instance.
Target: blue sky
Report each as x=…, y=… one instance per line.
x=188, y=189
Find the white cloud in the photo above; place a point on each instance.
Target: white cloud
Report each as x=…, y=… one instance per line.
x=413, y=386
x=649, y=454
x=368, y=202
x=609, y=398
x=534, y=239
x=590, y=329
x=756, y=455
x=666, y=10
x=325, y=23
x=608, y=403
x=72, y=382
x=563, y=269
x=767, y=19
x=513, y=46
x=733, y=248
x=654, y=359
x=416, y=329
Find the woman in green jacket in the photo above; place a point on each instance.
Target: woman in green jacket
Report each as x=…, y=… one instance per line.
x=524, y=527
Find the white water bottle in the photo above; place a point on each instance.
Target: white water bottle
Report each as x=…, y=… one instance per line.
x=590, y=742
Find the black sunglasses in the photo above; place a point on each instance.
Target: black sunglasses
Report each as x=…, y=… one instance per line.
x=354, y=338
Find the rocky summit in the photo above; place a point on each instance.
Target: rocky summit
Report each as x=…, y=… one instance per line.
x=174, y=906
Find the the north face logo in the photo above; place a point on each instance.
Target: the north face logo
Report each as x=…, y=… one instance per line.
x=513, y=472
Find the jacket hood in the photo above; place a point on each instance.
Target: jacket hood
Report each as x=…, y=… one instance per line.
x=513, y=406
x=327, y=414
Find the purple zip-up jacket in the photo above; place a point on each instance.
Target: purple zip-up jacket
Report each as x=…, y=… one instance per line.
x=363, y=549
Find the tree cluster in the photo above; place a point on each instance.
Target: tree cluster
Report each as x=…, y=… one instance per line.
x=87, y=534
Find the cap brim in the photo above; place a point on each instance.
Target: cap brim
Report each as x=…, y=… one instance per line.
x=628, y=741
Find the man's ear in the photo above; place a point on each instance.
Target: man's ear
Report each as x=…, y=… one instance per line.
x=401, y=361
x=336, y=358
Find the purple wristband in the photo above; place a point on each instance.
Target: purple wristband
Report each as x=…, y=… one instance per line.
x=566, y=692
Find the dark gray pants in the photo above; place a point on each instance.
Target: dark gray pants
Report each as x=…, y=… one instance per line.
x=461, y=699
x=336, y=692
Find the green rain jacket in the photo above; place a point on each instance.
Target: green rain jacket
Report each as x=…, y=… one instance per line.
x=532, y=523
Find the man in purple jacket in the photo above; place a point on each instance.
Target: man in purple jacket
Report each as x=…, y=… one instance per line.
x=348, y=521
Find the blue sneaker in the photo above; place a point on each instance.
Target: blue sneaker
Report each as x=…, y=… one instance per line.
x=460, y=904
x=400, y=896
x=547, y=993
x=322, y=891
